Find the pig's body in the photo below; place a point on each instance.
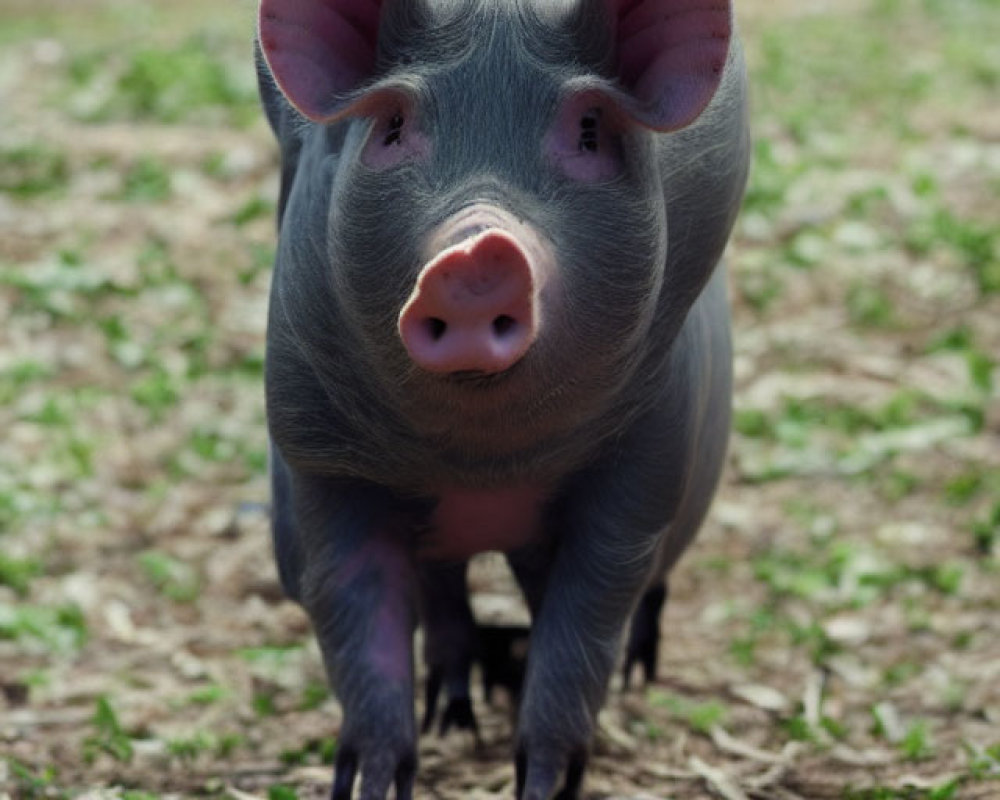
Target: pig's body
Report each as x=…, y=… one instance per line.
x=585, y=435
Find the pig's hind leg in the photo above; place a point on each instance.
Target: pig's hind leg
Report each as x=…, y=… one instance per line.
x=644, y=635
x=453, y=641
x=450, y=645
x=502, y=655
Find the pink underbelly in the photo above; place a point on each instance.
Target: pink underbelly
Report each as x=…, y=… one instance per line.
x=470, y=521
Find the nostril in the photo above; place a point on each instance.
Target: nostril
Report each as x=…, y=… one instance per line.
x=436, y=327
x=503, y=325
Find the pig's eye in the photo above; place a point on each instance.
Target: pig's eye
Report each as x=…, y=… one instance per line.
x=394, y=135
x=585, y=139
x=589, y=127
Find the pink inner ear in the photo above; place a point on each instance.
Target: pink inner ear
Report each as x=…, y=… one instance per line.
x=318, y=50
x=671, y=55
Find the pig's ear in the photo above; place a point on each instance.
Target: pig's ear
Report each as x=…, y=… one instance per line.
x=671, y=55
x=319, y=50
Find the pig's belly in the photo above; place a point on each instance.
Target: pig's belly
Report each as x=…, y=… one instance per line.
x=470, y=521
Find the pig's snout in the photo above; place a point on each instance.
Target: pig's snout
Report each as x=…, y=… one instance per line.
x=474, y=307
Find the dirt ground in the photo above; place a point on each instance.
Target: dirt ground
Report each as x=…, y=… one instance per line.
x=833, y=633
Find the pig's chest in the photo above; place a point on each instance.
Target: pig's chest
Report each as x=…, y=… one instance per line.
x=470, y=521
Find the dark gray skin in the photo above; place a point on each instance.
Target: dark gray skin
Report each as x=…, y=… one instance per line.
x=590, y=460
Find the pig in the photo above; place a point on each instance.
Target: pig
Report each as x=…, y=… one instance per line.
x=498, y=322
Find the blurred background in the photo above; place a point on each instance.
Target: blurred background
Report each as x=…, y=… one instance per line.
x=834, y=633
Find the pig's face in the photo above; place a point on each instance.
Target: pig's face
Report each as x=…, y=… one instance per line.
x=493, y=225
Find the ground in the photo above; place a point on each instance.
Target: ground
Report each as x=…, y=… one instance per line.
x=834, y=632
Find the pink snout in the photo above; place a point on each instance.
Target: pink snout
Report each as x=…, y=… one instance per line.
x=474, y=307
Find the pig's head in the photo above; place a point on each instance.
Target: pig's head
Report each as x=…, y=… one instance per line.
x=486, y=203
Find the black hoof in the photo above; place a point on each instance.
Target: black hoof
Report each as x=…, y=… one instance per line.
x=644, y=636
x=503, y=651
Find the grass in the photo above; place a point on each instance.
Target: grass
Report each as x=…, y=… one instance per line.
x=108, y=736
x=170, y=576
x=17, y=573
x=699, y=717
x=55, y=629
x=32, y=170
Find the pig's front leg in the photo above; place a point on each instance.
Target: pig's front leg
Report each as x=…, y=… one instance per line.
x=358, y=585
x=610, y=526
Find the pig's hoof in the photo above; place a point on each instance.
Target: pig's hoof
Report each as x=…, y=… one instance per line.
x=503, y=651
x=537, y=778
x=378, y=773
x=644, y=636
x=459, y=713
x=344, y=771
x=645, y=655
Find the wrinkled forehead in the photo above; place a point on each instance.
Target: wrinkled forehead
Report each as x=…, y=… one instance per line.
x=555, y=9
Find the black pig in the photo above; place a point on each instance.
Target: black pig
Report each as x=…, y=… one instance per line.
x=497, y=322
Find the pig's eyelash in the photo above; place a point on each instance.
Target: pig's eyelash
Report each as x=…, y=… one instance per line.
x=589, y=125
x=395, y=133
